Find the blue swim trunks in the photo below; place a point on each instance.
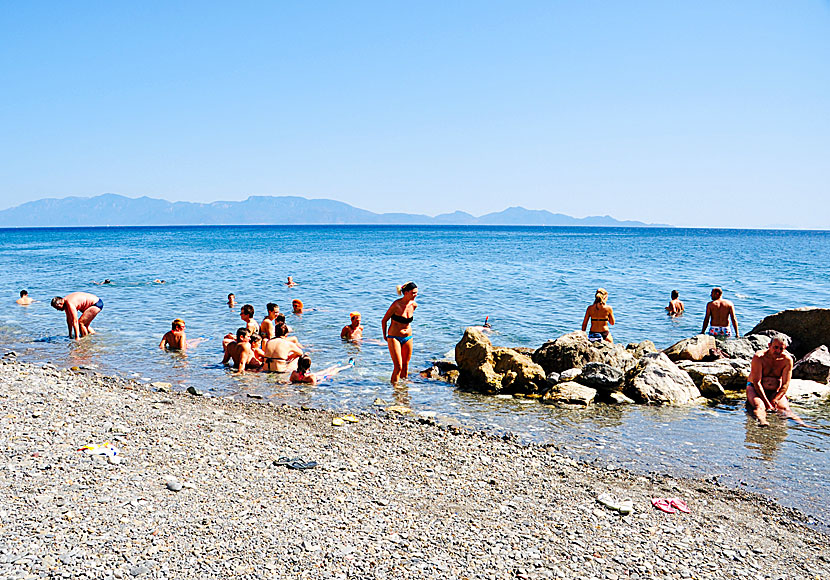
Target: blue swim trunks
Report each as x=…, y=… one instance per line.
x=100, y=304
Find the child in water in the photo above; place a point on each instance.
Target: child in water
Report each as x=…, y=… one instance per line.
x=175, y=338
x=301, y=375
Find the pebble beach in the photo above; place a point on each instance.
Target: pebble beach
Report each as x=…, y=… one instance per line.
x=197, y=490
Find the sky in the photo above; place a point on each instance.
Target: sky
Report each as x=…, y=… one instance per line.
x=703, y=114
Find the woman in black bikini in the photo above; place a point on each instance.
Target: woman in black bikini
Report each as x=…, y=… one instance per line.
x=399, y=338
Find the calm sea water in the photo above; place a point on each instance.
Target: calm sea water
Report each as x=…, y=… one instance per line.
x=533, y=283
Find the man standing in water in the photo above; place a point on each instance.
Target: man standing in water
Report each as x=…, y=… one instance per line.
x=769, y=379
x=719, y=312
x=675, y=307
x=24, y=299
x=89, y=305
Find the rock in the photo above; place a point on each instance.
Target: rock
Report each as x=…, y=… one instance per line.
x=731, y=373
x=602, y=377
x=496, y=370
x=571, y=393
x=399, y=409
x=803, y=390
x=443, y=370
x=711, y=388
x=574, y=350
x=569, y=375
x=808, y=327
x=619, y=399
x=657, y=380
x=553, y=378
x=194, y=391
x=174, y=485
x=162, y=387
x=815, y=366
x=744, y=347
x=640, y=349
x=695, y=348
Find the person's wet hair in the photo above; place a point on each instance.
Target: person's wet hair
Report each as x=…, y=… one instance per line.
x=178, y=323
x=303, y=364
x=271, y=307
x=242, y=333
x=717, y=293
x=280, y=330
x=406, y=288
x=255, y=337
x=248, y=309
x=601, y=296
x=674, y=294
x=57, y=302
x=23, y=293
x=231, y=295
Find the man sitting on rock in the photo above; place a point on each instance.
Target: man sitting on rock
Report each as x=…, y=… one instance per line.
x=719, y=312
x=769, y=379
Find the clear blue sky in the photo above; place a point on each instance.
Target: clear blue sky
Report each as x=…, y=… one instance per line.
x=697, y=113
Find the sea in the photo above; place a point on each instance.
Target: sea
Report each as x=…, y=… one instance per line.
x=534, y=284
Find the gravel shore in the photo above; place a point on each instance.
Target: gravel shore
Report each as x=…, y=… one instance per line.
x=391, y=497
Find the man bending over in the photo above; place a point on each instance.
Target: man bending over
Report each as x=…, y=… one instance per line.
x=89, y=305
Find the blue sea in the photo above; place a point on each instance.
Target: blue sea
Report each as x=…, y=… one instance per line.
x=534, y=283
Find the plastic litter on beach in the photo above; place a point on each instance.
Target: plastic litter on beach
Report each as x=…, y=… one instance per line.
x=106, y=448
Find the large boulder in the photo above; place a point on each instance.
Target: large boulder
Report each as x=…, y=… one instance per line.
x=808, y=327
x=657, y=380
x=695, y=348
x=639, y=349
x=744, y=347
x=731, y=373
x=602, y=377
x=815, y=366
x=496, y=370
x=803, y=390
x=570, y=393
x=575, y=350
x=711, y=388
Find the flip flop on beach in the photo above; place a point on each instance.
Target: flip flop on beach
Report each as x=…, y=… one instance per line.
x=298, y=463
x=678, y=504
x=663, y=505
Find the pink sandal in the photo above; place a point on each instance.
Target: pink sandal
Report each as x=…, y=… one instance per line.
x=678, y=504
x=663, y=505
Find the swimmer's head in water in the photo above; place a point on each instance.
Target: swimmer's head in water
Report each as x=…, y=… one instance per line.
x=297, y=305
x=23, y=293
x=303, y=364
x=674, y=294
x=601, y=296
x=242, y=333
x=178, y=324
x=354, y=316
x=271, y=307
x=280, y=330
x=716, y=293
x=408, y=287
x=57, y=303
x=231, y=297
x=247, y=310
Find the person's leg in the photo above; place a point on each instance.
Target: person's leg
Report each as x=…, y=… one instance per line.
x=756, y=404
x=787, y=413
x=406, y=355
x=395, y=353
x=86, y=319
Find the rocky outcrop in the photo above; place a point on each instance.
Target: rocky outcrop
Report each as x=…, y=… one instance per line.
x=711, y=388
x=801, y=390
x=731, y=373
x=442, y=370
x=496, y=370
x=744, y=347
x=695, y=348
x=602, y=377
x=569, y=375
x=639, y=349
x=657, y=380
x=808, y=327
x=570, y=393
x=574, y=350
x=815, y=366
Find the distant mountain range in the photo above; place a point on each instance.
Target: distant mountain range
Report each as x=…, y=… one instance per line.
x=116, y=210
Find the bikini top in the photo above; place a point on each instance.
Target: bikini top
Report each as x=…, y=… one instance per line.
x=401, y=319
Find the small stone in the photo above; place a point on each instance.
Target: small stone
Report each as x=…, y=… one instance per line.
x=174, y=485
x=114, y=459
x=139, y=570
x=163, y=387
x=194, y=391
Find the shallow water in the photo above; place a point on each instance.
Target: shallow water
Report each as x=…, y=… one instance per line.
x=534, y=283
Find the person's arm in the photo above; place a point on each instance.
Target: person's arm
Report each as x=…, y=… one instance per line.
x=244, y=358
x=681, y=308
x=385, y=320
x=72, y=320
x=184, y=342
x=706, y=319
x=345, y=334
x=163, y=341
x=610, y=316
x=734, y=320
x=586, y=319
x=755, y=376
x=227, y=357
x=786, y=375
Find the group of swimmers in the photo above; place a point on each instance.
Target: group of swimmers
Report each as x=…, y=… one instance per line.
x=269, y=347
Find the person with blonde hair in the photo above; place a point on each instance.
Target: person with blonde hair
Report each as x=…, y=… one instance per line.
x=175, y=339
x=600, y=315
x=399, y=316
x=353, y=330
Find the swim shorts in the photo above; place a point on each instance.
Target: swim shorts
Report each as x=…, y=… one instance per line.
x=100, y=304
x=720, y=331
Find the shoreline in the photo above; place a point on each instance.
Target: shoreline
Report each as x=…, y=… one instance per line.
x=391, y=497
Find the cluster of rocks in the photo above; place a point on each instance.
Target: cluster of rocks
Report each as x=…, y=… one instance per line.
x=200, y=493
x=573, y=370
